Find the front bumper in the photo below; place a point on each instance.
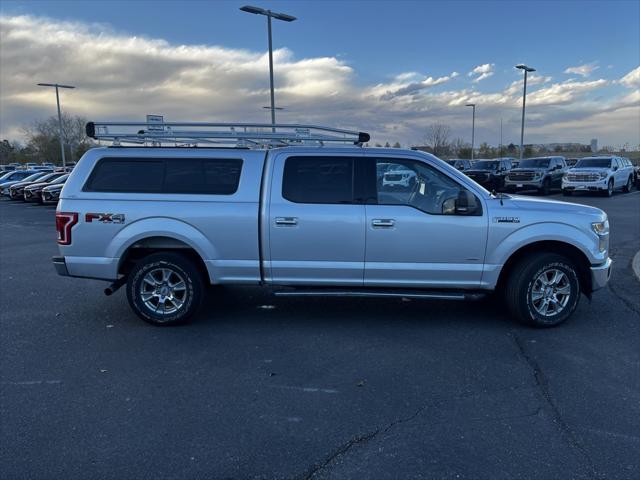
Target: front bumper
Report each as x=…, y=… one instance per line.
x=523, y=184
x=600, y=275
x=585, y=186
x=61, y=266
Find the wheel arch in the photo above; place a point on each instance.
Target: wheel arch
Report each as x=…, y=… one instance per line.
x=573, y=253
x=140, y=248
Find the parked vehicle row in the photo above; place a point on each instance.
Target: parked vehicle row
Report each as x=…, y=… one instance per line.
x=41, y=186
x=545, y=175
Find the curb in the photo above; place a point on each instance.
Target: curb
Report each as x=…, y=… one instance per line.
x=635, y=264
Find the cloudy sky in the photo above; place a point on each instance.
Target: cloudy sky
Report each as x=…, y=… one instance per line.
x=390, y=68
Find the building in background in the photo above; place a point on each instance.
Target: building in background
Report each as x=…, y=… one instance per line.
x=594, y=145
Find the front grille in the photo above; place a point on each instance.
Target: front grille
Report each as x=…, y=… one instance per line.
x=583, y=177
x=521, y=176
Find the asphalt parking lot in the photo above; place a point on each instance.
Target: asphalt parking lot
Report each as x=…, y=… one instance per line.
x=259, y=387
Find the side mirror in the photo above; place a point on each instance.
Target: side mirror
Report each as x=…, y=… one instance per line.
x=615, y=168
x=449, y=206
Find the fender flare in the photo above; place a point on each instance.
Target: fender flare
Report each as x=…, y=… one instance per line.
x=171, y=228
x=539, y=232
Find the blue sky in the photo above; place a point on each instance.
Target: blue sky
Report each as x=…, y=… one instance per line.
x=380, y=41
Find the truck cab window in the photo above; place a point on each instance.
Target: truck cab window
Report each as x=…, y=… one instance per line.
x=416, y=184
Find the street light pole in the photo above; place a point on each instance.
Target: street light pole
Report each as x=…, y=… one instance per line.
x=60, y=133
x=473, y=127
x=526, y=69
x=278, y=16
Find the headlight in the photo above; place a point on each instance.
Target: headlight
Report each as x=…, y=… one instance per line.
x=603, y=175
x=565, y=176
x=537, y=175
x=600, y=228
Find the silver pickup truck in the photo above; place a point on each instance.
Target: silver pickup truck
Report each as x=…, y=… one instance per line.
x=304, y=215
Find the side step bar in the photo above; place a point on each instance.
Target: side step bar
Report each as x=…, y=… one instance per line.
x=427, y=295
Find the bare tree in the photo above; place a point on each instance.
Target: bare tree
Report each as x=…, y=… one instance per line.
x=42, y=138
x=438, y=138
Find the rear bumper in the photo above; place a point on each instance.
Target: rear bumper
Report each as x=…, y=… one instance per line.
x=60, y=265
x=600, y=275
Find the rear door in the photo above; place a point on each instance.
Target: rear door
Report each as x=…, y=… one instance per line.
x=316, y=224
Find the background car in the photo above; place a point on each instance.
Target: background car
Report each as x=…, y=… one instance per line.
x=490, y=173
x=12, y=178
x=51, y=193
x=398, y=176
x=601, y=174
x=460, y=164
x=32, y=192
x=16, y=190
x=540, y=173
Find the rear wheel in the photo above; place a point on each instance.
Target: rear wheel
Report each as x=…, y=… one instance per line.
x=627, y=187
x=165, y=288
x=567, y=193
x=543, y=291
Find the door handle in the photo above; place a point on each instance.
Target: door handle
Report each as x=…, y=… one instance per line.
x=287, y=221
x=383, y=223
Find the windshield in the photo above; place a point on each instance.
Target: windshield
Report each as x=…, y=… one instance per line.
x=6, y=175
x=33, y=177
x=486, y=165
x=594, y=163
x=534, y=163
x=60, y=180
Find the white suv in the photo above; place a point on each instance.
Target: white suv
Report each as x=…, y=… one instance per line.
x=598, y=174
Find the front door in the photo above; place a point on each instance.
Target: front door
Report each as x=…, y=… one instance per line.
x=316, y=228
x=426, y=230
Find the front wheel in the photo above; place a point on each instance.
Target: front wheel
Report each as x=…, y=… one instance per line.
x=546, y=187
x=567, y=193
x=165, y=288
x=543, y=291
x=609, y=191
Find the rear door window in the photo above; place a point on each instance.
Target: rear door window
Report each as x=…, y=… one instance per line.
x=318, y=180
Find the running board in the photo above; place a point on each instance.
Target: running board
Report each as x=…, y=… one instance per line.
x=427, y=295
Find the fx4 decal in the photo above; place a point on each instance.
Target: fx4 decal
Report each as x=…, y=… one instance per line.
x=104, y=217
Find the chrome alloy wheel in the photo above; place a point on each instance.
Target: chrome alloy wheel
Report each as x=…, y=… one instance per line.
x=550, y=292
x=163, y=291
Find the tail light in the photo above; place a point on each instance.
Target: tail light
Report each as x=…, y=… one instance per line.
x=64, y=222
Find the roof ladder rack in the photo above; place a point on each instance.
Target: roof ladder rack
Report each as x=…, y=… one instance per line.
x=248, y=135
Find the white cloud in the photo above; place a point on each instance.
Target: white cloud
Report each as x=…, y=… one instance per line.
x=122, y=76
x=631, y=79
x=482, y=71
x=583, y=70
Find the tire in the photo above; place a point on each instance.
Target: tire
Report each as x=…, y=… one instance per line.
x=609, y=191
x=527, y=295
x=155, y=275
x=567, y=193
x=546, y=187
x=627, y=187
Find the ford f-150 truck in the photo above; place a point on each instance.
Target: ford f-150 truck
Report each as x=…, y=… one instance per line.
x=296, y=211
